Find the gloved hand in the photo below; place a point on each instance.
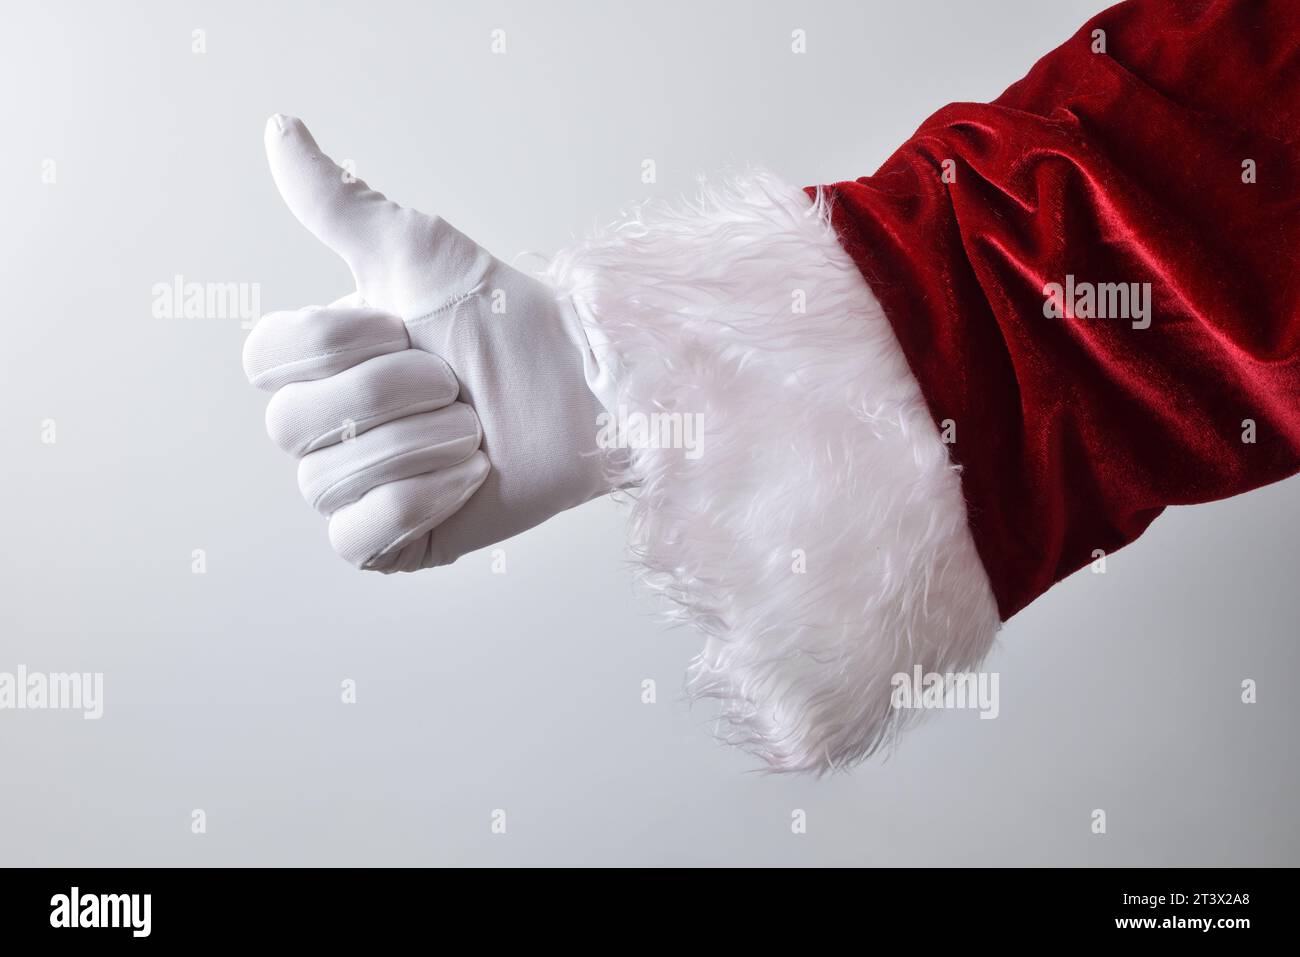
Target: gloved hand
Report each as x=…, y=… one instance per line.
x=440, y=408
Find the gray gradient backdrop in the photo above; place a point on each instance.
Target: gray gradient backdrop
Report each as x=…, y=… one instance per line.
x=480, y=691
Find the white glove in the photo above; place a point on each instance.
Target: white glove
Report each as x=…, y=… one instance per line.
x=442, y=407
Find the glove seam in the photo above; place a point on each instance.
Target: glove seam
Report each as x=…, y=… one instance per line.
x=411, y=535
x=449, y=304
x=413, y=408
x=316, y=500
x=284, y=366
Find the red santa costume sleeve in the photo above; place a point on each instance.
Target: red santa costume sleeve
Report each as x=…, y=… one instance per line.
x=1156, y=150
x=929, y=394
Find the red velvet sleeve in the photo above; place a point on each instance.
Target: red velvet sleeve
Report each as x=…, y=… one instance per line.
x=1170, y=158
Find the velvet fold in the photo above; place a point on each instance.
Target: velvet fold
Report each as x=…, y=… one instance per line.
x=1152, y=158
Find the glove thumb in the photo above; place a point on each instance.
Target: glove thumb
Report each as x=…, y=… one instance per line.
x=402, y=260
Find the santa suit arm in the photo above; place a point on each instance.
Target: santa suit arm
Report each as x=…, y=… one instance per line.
x=862, y=424
x=908, y=432
x=1089, y=279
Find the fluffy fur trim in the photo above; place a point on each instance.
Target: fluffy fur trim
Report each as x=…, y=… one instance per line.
x=817, y=534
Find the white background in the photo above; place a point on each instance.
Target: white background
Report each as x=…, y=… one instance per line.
x=519, y=691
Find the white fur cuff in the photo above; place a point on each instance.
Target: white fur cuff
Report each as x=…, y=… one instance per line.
x=813, y=528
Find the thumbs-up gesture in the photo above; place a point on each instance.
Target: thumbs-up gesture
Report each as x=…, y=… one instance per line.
x=439, y=408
